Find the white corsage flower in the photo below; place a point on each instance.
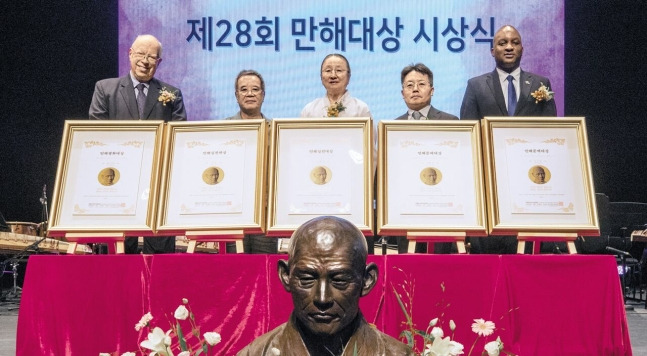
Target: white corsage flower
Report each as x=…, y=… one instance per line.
x=542, y=94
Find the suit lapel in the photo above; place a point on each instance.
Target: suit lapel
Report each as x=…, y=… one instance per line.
x=127, y=91
x=433, y=114
x=497, y=92
x=525, y=83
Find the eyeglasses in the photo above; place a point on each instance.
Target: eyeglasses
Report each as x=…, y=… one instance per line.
x=146, y=57
x=411, y=85
x=329, y=71
x=255, y=90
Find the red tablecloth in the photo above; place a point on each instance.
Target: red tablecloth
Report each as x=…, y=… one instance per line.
x=541, y=305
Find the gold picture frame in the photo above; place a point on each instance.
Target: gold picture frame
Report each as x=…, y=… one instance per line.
x=538, y=175
x=213, y=176
x=430, y=177
x=320, y=167
x=107, y=178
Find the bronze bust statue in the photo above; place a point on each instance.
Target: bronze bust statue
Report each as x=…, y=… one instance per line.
x=326, y=273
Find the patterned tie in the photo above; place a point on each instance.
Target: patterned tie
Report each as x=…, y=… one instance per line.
x=512, y=96
x=416, y=115
x=141, y=100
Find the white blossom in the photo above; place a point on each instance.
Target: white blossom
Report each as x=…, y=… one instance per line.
x=181, y=313
x=212, y=338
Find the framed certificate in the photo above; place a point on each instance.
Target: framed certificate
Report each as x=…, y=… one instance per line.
x=107, y=177
x=430, y=177
x=320, y=167
x=538, y=175
x=213, y=176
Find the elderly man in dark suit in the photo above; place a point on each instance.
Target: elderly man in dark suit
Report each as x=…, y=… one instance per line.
x=506, y=91
x=417, y=89
x=139, y=96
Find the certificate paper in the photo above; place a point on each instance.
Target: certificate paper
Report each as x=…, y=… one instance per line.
x=430, y=177
x=319, y=167
x=427, y=180
x=319, y=176
x=208, y=169
x=107, y=177
x=213, y=176
x=539, y=172
x=110, y=178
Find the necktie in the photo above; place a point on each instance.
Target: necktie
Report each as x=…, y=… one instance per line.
x=416, y=115
x=141, y=100
x=512, y=96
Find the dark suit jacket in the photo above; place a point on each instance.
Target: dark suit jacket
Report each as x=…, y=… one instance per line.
x=484, y=97
x=114, y=99
x=434, y=114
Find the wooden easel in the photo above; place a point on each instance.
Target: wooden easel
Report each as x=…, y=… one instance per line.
x=537, y=237
x=219, y=236
x=114, y=240
x=432, y=237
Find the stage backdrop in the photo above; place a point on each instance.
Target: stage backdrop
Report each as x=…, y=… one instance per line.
x=206, y=43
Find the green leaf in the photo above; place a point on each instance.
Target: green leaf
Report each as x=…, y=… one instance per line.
x=408, y=336
x=180, y=336
x=404, y=310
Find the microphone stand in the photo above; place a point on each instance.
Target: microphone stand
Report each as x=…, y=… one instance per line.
x=45, y=213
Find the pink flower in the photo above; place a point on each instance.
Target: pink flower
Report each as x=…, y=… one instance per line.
x=482, y=327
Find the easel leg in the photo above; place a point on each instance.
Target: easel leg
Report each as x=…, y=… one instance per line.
x=521, y=247
x=190, y=248
x=239, y=246
x=571, y=247
x=71, y=248
x=411, y=246
x=460, y=246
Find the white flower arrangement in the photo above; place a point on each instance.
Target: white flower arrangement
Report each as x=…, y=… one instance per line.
x=160, y=343
x=434, y=341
